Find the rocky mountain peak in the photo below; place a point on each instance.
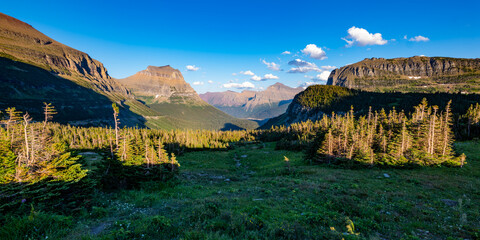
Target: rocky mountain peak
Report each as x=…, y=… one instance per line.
x=162, y=84
x=162, y=71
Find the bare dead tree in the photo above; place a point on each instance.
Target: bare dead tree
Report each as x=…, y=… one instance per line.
x=48, y=111
x=116, y=111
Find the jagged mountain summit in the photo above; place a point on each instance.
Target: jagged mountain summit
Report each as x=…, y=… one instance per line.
x=271, y=102
x=161, y=84
x=413, y=74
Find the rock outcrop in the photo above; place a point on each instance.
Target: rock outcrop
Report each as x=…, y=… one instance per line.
x=21, y=42
x=161, y=84
x=35, y=68
x=418, y=70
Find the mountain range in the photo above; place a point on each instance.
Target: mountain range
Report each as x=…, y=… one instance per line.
x=35, y=68
x=413, y=74
x=268, y=103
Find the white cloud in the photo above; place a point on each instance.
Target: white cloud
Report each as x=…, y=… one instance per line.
x=239, y=85
x=286, y=53
x=269, y=76
x=361, y=37
x=265, y=77
x=302, y=66
x=192, y=68
x=198, y=83
x=210, y=81
x=256, y=78
x=314, y=52
x=419, y=39
x=328, y=68
x=306, y=84
x=272, y=66
x=248, y=72
x=322, y=76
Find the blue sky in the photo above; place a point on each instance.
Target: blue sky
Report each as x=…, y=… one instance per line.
x=226, y=41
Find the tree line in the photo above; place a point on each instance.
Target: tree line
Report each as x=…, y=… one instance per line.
x=40, y=155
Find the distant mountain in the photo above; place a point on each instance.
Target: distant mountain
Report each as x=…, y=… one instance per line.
x=271, y=102
x=414, y=74
x=165, y=91
x=35, y=68
x=161, y=84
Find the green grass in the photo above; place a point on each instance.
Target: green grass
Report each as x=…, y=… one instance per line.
x=249, y=193
x=184, y=116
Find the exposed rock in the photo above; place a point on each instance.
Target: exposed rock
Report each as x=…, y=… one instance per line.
x=39, y=69
x=25, y=43
x=162, y=84
x=404, y=70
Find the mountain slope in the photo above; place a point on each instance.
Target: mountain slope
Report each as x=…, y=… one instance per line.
x=414, y=74
x=37, y=69
x=164, y=90
x=271, y=102
x=34, y=69
x=318, y=100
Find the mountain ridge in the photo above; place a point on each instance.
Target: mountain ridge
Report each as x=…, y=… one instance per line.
x=413, y=74
x=35, y=68
x=268, y=103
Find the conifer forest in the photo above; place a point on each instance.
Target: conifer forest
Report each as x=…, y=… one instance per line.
x=62, y=169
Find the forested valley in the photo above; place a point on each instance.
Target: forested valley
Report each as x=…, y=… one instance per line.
x=61, y=169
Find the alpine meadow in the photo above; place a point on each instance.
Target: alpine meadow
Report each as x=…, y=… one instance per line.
x=252, y=120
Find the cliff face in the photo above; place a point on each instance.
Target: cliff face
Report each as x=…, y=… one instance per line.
x=251, y=104
x=21, y=42
x=161, y=84
x=34, y=69
x=414, y=71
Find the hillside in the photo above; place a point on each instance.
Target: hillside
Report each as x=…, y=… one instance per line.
x=165, y=91
x=35, y=69
x=414, y=74
x=318, y=100
x=269, y=103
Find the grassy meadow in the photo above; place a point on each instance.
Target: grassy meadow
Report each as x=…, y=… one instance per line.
x=252, y=192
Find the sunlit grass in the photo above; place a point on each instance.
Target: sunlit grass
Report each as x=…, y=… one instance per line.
x=215, y=198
